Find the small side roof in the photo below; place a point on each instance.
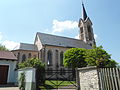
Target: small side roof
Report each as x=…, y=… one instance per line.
x=7, y=55
x=25, y=46
x=48, y=39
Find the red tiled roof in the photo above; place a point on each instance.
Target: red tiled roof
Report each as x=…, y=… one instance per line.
x=7, y=55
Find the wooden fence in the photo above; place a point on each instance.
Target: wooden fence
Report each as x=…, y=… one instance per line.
x=109, y=78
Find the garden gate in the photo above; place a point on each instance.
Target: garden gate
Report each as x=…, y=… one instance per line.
x=58, y=79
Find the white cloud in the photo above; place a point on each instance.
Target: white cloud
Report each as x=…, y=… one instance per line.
x=11, y=45
x=60, y=26
x=7, y=43
x=77, y=37
x=95, y=36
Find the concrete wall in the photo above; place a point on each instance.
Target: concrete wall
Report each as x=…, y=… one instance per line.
x=11, y=71
x=30, y=82
x=88, y=78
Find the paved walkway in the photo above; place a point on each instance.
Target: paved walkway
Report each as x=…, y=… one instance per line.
x=9, y=88
x=67, y=88
x=63, y=89
x=16, y=88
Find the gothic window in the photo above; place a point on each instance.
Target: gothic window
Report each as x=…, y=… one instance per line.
x=29, y=55
x=49, y=57
x=89, y=33
x=90, y=44
x=61, y=58
x=56, y=55
x=18, y=56
x=81, y=33
x=81, y=29
x=41, y=53
x=23, y=57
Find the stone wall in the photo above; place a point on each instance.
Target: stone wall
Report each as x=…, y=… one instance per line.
x=88, y=78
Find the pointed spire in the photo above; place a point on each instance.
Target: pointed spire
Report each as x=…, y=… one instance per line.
x=84, y=14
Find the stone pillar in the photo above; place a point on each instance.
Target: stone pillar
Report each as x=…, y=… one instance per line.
x=77, y=79
x=88, y=78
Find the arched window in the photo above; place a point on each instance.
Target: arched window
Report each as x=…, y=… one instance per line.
x=56, y=55
x=90, y=44
x=61, y=58
x=81, y=29
x=23, y=57
x=18, y=56
x=29, y=55
x=49, y=57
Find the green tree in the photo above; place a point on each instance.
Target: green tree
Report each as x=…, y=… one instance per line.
x=78, y=57
x=22, y=81
x=99, y=57
x=74, y=57
x=32, y=62
x=3, y=48
x=111, y=63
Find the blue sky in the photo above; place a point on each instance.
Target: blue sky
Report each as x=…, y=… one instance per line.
x=21, y=19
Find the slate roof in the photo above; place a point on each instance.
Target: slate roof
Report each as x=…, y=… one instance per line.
x=48, y=39
x=25, y=46
x=7, y=55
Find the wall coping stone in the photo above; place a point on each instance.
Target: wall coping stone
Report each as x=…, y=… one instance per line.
x=27, y=68
x=86, y=68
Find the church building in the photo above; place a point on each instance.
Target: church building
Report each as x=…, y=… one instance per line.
x=50, y=48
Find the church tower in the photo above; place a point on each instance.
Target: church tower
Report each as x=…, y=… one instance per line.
x=86, y=31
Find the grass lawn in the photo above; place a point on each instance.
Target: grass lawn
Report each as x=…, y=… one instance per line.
x=50, y=84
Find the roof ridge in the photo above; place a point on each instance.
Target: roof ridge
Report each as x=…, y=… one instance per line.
x=58, y=36
x=27, y=43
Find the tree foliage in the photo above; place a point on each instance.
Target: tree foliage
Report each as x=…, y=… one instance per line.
x=22, y=81
x=74, y=58
x=77, y=57
x=97, y=57
x=111, y=63
x=3, y=48
x=32, y=62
